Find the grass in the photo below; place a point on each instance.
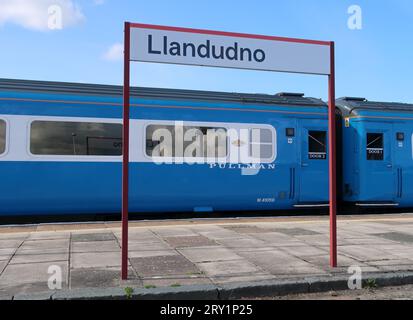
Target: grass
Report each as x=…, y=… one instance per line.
x=370, y=284
x=129, y=292
x=150, y=286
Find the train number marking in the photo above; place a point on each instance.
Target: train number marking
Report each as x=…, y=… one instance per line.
x=266, y=200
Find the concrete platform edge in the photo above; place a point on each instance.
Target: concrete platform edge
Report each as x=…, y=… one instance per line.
x=225, y=292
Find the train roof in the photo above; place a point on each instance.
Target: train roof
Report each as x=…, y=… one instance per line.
x=82, y=89
x=353, y=105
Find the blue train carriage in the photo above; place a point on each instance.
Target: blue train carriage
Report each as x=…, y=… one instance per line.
x=377, y=148
x=61, y=147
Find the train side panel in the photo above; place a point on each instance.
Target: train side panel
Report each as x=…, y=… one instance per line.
x=73, y=185
x=378, y=159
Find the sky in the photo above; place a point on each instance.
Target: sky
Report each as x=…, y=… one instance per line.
x=374, y=62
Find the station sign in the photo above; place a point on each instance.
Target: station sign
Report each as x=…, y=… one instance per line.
x=228, y=50
x=209, y=48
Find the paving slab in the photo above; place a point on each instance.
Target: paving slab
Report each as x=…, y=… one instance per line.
x=245, y=243
x=391, y=223
x=294, y=231
x=97, y=277
x=6, y=252
x=221, y=234
x=245, y=278
x=45, y=244
x=173, y=232
x=279, y=239
x=95, y=259
x=189, y=241
x=36, y=258
x=358, y=230
x=148, y=246
x=15, y=276
x=144, y=235
x=5, y=296
x=95, y=246
x=59, y=246
x=163, y=266
x=404, y=229
x=393, y=265
x=48, y=235
x=85, y=237
x=151, y=253
x=205, y=228
x=245, y=229
x=323, y=262
x=10, y=244
x=207, y=254
x=406, y=253
x=175, y=282
x=229, y=268
x=5, y=258
x=366, y=253
x=31, y=288
x=365, y=240
x=315, y=240
x=396, y=236
x=13, y=236
x=279, y=262
x=42, y=250
x=305, y=251
x=3, y=265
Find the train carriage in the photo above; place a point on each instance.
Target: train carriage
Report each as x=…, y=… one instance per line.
x=377, y=153
x=61, y=150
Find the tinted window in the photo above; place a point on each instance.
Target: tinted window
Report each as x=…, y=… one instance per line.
x=188, y=141
x=375, y=146
x=317, y=145
x=261, y=144
x=75, y=138
x=2, y=136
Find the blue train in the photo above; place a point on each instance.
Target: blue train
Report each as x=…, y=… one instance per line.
x=377, y=151
x=193, y=151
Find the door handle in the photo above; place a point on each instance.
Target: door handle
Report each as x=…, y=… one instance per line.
x=304, y=164
x=390, y=166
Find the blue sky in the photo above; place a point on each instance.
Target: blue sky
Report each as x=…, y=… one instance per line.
x=374, y=62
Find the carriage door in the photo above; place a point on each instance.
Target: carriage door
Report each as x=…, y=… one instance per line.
x=378, y=178
x=314, y=163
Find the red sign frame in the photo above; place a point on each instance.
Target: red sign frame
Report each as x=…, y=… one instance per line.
x=126, y=118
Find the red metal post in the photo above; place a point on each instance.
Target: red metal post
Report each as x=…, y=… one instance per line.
x=125, y=147
x=332, y=159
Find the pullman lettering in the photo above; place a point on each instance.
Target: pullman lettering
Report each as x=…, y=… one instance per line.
x=206, y=51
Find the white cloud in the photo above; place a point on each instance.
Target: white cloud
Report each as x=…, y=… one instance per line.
x=114, y=53
x=41, y=15
x=98, y=2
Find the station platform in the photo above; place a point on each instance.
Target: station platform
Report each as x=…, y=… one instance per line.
x=210, y=253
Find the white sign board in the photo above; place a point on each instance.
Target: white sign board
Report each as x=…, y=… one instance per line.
x=227, y=51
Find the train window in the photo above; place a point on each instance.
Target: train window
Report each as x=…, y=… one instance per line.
x=317, y=145
x=400, y=136
x=261, y=144
x=198, y=142
x=2, y=136
x=375, y=146
x=290, y=132
x=75, y=138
